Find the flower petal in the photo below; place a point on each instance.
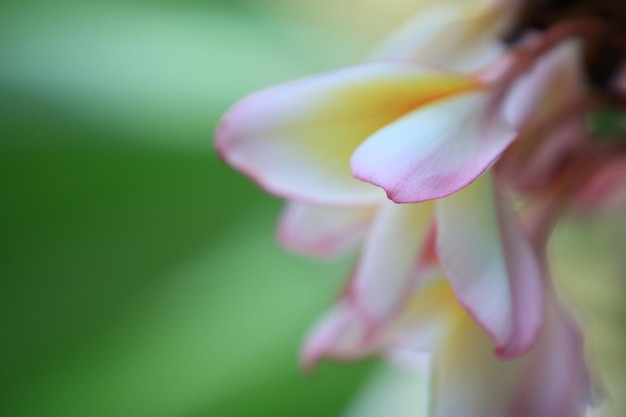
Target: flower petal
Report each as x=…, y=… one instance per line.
x=557, y=382
x=452, y=35
x=322, y=232
x=386, y=270
x=492, y=266
x=396, y=391
x=296, y=139
x=435, y=150
x=545, y=104
x=555, y=80
x=338, y=335
x=417, y=325
x=470, y=380
x=464, y=378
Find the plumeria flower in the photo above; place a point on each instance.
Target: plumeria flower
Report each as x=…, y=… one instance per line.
x=410, y=157
x=331, y=115
x=297, y=141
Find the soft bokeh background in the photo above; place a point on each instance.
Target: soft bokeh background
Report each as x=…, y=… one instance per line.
x=138, y=275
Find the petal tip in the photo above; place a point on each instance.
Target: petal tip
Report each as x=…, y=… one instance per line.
x=504, y=353
x=226, y=132
x=522, y=345
x=318, y=250
x=308, y=361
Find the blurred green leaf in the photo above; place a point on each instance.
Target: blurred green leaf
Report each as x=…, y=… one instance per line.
x=607, y=123
x=147, y=283
x=140, y=279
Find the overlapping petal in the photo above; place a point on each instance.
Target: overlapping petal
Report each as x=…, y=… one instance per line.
x=550, y=381
x=555, y=80
x=494, y=270
x=467, y=380
x=388, y=261
x=435, y=150
x=295, y=140
x=396, y=391
x=322, y=232
x=419, y=324
x=330, y=143
x=546, y=104
x=460, y=36
x=338, y=335
x=556, y=380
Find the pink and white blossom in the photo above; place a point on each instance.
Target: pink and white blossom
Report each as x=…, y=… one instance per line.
x=420, y=159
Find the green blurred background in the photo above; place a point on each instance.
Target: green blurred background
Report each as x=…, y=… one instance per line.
x=139, y=275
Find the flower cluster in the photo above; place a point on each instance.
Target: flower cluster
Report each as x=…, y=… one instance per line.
x=446, y=159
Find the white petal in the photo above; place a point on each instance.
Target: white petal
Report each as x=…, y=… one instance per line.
x=551, y=380
x=553, y=82
x=435, y=150
x=323, y=232
x=495, y=272
x=296, y=139
x=395, y=391
x=452, y=35
x=337, y=335
x=386, y=269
